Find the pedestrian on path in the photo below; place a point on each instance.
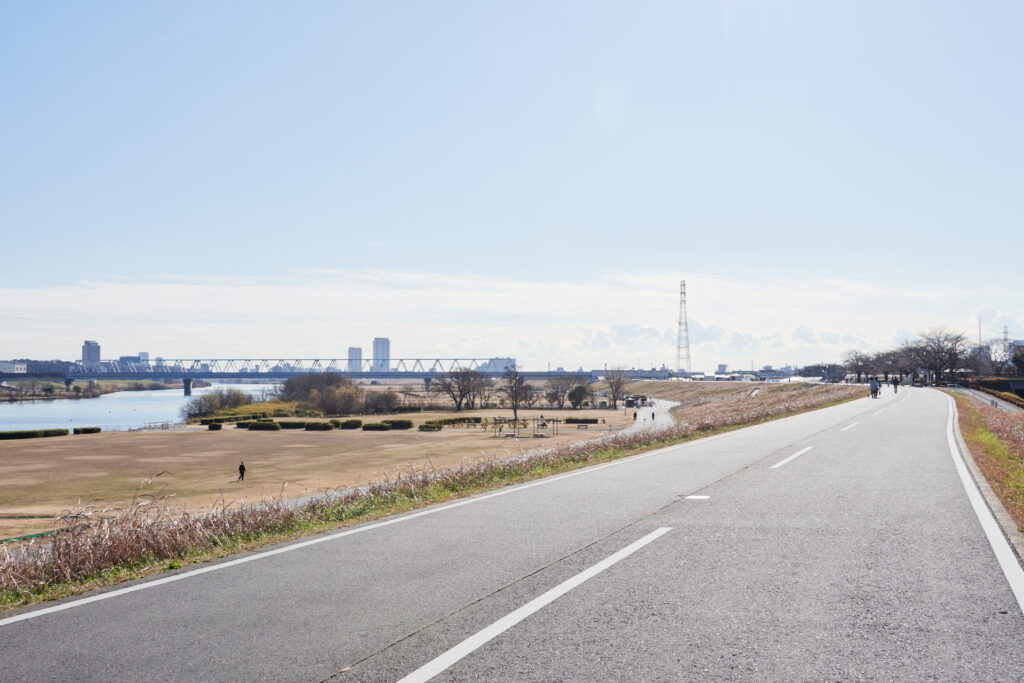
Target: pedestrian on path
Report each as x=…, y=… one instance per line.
x=241, y=471
x=652, y=416
x=634, y=416
x=895, y=384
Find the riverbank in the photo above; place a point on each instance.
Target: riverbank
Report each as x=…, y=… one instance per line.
x=18, y=392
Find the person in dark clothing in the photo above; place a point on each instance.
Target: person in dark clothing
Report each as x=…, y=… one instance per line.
x=634, y=416
x=652, y=416
x=241, y=471
x=895, y=384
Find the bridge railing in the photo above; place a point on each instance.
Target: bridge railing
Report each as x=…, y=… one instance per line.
x=184, y=367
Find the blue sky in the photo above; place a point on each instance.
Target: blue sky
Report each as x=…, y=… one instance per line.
x=824, y=175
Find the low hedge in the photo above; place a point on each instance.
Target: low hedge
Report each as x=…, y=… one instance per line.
x=87, y=430
x=215, y=426
x=408, y=409
x=350, y=424
x=33, y=433
x=319, y=426
x=335, y=421
x=264, y=426
x=398, y=424
x=376, y=427
x=292, y=424
x=429, y=428
x=443, y=421
x=581, y=420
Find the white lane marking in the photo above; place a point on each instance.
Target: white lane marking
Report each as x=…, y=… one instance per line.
x=439, y=664
x=1012, y=570
x=697, y=497
x=358, y=530
x=849, y=426
x=795, y=455
x=878, y=413
x=341, y=534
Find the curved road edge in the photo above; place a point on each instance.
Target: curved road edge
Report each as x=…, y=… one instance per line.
x=995, y=521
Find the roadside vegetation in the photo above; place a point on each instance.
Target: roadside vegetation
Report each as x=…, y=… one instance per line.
x=996, y=440
x=100, y=547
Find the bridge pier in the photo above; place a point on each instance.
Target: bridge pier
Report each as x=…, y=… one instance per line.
x=68, y=383
x=188, y=385
x=426, y=383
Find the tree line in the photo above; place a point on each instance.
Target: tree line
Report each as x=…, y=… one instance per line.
x=939, y=353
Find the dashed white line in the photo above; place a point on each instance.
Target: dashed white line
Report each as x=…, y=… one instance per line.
x=878, y=413
x=849, y=426
x=795, y=455
x=439, y=664
x=697, y=497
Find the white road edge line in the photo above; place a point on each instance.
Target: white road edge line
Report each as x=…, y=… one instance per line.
x=341, y=534
x=697, y=497
x=475, y=641
x=795, y=455
x=1012, y=570
x=849, y=426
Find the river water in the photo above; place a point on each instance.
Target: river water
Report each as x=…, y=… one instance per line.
x=121, y=410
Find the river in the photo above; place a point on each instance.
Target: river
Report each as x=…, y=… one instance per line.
x=119, y=411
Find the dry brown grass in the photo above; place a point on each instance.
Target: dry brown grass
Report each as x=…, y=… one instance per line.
x=197, y=468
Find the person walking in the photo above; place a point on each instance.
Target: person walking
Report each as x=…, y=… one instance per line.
x=873, y=385
x=895, y=384
x=241, y=471
x=634, y=416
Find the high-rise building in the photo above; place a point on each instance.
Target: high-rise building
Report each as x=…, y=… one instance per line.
x=90, y=352
x=355, y=359
x=381, y=354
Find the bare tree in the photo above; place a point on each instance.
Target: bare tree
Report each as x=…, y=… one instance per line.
x=558, y=388
x=857, y=361
x=514, y=389
x=938, y=349
x=616, y=379
x=461, y=385
x=531, y=395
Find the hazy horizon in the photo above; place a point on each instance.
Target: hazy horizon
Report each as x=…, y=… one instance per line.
x=527, y=180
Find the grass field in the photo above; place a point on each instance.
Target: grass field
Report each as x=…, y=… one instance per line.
x=42, y=478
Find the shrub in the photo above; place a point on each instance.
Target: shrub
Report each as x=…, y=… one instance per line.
x=319, y=426
x=376, y=427
x=335, y=421
x=351, y=424
x=264, y=426
x=33, y=433
x=87, y=430
x=455, y=421
x=243, y=424
x=215, y=426
x=430, y=428
x=398, y=424
x=292, y=424
x=408, y=409
x=581, y=420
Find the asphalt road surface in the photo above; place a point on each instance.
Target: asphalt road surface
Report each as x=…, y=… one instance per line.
x=837, y=545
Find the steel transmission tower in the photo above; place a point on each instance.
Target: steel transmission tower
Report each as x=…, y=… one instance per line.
x=683, y=337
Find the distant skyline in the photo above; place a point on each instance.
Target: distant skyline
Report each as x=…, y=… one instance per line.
x=526, y=179
x=615, y=319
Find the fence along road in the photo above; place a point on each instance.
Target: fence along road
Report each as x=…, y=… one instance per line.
x=861, y=557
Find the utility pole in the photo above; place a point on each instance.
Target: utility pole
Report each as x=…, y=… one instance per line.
x=683, y=336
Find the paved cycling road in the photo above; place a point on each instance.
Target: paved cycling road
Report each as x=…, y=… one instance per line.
x=839, y=544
